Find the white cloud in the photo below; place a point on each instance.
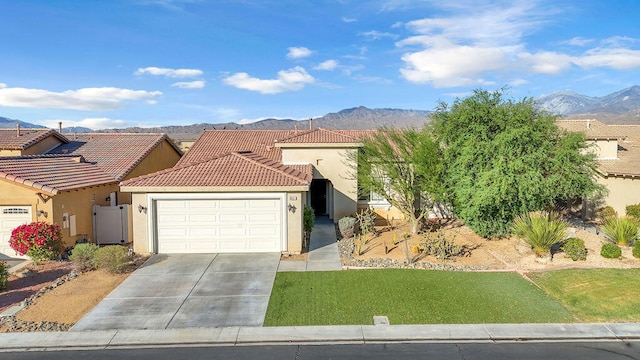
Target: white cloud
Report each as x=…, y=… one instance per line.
x=3, y=85
x=348, y=20
x=377, y=35
x=91, y=123
x=198, y=84
x=105, y=98
x=172, y=73
x=547, y=62
x=616, y=58
x=328, y=65
x=288, y=80
x=518, y=82
x=298, y=52
x=449, y=65
x=578, y=41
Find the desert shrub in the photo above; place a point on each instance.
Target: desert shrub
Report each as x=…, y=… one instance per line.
x=634, y=211
x=574, y=249
x=611, y=251
x=541, y=230
x=367, y=221
x=84, y=255
x=437, y=244
x=635, y=250
x=112, y=258
x=4, y=274
x=38, y=240
x=606, y=212
x=308, y=219
x=346, y=226
x=621, y=230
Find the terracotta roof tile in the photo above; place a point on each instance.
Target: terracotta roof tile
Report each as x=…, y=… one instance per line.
x=9, y=139
x=213, y=143
x=52, y=174
x=115, y=153
x=234, y=169
x=325, y=136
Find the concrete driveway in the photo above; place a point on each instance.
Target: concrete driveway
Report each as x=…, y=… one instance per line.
x=189, y=290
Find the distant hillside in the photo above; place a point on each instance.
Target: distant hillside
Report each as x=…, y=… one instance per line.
x=620, y=107
x=6, y=123
x=355, y=118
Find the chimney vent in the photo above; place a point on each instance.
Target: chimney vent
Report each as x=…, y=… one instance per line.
x=18, y=130
x=588, y=124
x=60, y=127
x=310, y=124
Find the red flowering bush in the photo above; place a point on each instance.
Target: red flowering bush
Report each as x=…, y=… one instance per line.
x=39, y=240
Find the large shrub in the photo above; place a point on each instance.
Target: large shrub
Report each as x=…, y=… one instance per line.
x=606, y=212
x=4, y=274
x=611, y=251
x=635, y=250
x=504, y=158
x=112, y=258
x=621, y=230
x=84, y=255
x=574, y=249
x=541, y=230
x=38, y=240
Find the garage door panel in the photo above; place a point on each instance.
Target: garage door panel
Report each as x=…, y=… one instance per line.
x=219, y=225
x=10, y=218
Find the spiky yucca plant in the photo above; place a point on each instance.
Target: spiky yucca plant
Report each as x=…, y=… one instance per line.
x=621, y=230
x=541, y=230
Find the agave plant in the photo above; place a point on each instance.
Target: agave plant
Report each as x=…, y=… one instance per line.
x=621, y=230
x=541, y=230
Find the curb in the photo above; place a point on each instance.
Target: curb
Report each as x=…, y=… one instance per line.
x=300, y=335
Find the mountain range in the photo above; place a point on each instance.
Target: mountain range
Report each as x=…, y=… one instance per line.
x=620, y=107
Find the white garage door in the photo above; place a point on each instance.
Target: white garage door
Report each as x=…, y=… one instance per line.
x=219, y=225
x=10, y=218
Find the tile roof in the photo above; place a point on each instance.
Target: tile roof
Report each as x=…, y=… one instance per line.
x=115, y=153
x=9, y=139
x=52, y=174
x=234, y=169
x=318, y=136
x=628, y=136
x=213, y=143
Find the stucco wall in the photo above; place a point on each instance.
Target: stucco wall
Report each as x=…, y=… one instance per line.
x=164, y=156
x=15, y=194
x=331, y=164
x=139, y=219
x=42, y=146
x=6, y=152
x=622, y=192
x=79, y=203
x=606, y=149
x=295, y=230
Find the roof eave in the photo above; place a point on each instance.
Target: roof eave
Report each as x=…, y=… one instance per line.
x=199, y=189
x=318, y=145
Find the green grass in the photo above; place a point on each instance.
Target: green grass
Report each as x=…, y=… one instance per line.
x=408, y=297
x=595, y=295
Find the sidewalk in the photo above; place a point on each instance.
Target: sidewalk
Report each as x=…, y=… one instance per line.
x=350, y=334
x=323, y=250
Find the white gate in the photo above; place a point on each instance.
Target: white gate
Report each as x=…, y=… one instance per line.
x=111, y=224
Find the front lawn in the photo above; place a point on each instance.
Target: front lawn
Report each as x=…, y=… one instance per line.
x=408, y=297
x=595, y=295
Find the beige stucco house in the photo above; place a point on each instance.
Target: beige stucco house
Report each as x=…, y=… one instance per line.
x=245, y=190
x=617, y=149
x=70, y=175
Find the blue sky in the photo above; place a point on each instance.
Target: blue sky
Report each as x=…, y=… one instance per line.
x=119, y=63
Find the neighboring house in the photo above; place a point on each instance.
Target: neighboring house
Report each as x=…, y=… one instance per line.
x=61, y=184
x=245, y=190
x=617, y=149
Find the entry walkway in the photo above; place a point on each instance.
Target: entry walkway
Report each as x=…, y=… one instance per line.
x=323, y=250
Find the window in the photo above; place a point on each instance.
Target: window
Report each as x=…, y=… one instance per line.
x=15, y=211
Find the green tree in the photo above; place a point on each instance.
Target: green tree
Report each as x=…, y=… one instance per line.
x=505, y=158
x=404, y=167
